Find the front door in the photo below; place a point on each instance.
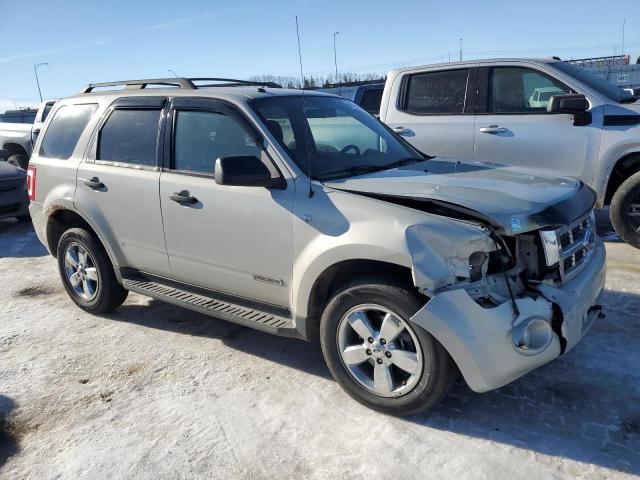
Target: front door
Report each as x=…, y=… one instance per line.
x=235, y=240
x=514, y=128
x=435, y=112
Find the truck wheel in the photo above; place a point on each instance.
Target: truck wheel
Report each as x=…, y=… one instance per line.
x=625, y=210
x=376, y=354
x=18, y=161
x=87, y=272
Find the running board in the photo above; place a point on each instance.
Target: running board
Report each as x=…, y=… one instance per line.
x=248, y=316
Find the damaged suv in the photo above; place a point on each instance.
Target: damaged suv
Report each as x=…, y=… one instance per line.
x=301, y=215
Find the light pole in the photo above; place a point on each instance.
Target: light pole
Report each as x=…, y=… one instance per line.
x=335, y=55
x=15, y=105
x=35, y=71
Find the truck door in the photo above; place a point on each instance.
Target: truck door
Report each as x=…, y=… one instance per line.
x=514, y=128
x=434, y=111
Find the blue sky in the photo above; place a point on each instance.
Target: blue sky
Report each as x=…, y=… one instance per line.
x=137, y=39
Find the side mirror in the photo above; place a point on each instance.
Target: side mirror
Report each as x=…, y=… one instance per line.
x=575, y=104
x=245, y=171
x=4, y=154
x=568, y=104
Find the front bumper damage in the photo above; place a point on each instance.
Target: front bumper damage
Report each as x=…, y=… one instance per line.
x=480, y=339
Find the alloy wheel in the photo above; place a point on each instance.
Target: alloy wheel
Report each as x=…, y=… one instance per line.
x=379, y=350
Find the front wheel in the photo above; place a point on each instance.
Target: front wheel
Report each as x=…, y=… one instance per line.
x=376, y=354
x=625, y=210
x=87, y=272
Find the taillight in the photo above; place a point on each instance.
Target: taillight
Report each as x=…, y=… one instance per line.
x=31, y=182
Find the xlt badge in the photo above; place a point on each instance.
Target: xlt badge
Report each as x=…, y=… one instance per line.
x=265, y=279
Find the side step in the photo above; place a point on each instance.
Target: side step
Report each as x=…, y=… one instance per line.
x=252, y=317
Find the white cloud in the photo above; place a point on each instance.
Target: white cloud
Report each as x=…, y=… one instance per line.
x=178, y=21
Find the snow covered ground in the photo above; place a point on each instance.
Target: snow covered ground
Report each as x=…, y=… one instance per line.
x=154, y=391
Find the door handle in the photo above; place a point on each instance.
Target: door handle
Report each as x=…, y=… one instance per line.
x=183, y=198
x=493, y=129
x=402, y=130
x=94, y=183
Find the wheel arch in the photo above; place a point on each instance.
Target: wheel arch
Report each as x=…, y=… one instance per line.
x=624, y=167
x=332, y=277
x=15, y=149
x=62, y=219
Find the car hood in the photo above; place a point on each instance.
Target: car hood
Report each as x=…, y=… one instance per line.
x=511, y=200
x=10, y=171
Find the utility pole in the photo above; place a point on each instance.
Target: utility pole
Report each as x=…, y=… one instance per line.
x=623, y=25
x=460, y=48
x=335, y=56
x=35, y=71
x=15, y=105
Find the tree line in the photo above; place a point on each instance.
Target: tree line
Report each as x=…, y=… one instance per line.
x=327, y=81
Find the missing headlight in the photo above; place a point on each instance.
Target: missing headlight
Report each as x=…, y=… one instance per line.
x=550, y=246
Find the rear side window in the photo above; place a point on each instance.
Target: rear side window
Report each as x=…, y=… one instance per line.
x=437, y=92
x=65, y=129
x=130, y=136
x=371, y=99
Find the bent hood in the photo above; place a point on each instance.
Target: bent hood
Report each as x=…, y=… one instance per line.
x=511, y=200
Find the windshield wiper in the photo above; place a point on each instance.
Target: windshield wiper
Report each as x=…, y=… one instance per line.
x=354, y=169
x=402, y=162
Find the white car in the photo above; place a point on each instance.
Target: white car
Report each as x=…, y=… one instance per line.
x=494, y=111
x=540, y=96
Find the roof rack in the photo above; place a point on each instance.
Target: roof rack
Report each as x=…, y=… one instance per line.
x=185, y=83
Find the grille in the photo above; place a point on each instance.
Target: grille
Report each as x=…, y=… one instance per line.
x=576, y=242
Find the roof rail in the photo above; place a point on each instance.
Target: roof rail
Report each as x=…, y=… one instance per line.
x=186, y=83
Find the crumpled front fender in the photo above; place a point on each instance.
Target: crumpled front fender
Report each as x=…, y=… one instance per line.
x=440, y=256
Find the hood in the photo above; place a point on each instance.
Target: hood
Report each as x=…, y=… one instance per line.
x=511, y=200
x=10, y=171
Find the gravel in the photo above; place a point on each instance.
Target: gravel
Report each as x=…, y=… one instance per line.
x=155, y=391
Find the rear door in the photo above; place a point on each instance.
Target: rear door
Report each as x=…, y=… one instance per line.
x=117, y=185
x=435, y=111
x=514, y=128
x=234, y=240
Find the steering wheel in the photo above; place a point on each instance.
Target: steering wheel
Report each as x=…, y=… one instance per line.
x=351, y=147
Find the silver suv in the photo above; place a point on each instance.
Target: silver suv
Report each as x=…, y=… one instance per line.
x=300, y=214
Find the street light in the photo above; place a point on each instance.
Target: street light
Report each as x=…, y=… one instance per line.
x=35, y=71
x=15, y=105
x=335, y=55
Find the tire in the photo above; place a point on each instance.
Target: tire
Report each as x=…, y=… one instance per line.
x=20, y=161
x=97, y=289
x=421, y=389
x=625, y=210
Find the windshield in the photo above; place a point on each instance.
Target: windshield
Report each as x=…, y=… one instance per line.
x=343, y=140
x=600, y=85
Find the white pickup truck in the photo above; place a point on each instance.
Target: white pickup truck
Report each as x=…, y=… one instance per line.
x=501, y=111
x=18, y=132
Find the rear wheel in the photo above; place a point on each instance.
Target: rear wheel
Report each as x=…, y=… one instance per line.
x=20, y=161
x=87, y=272
x=376, y=354
x=625, y=210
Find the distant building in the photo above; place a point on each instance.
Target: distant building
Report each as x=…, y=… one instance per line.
x=616, y=69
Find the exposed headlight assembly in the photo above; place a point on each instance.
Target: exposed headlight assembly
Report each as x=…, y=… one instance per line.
x=551, y=246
